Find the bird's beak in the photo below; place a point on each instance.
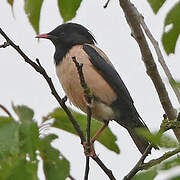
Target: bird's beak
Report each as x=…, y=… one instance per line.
x=42, y=36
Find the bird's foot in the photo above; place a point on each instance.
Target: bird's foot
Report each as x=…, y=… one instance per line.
x=89, y=150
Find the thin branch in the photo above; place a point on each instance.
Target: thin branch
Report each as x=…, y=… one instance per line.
x=88, y=98
x=132, y=19
x=140, y=165
x=159, y=55
x=154, y=162
x=71, y=178
x=4, y=45
x=105, y=169
x=5, y=110
x=86, y=168
x=105, y=6
x=136, y=168
x=38, y=67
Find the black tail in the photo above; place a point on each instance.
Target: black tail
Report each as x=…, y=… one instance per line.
x=128, y=117
x=140, y=142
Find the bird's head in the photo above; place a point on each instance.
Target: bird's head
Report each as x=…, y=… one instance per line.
x=67, y=35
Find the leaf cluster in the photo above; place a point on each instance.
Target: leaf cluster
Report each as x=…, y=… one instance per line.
x=21, y=148
x=22, y=144
x=164, y=141
x=171, y=28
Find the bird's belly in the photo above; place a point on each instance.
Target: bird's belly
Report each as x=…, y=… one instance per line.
x=73, y=89
x=101, y=90
x=102, y=112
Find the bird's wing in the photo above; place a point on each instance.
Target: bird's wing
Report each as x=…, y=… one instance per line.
x=109, y=74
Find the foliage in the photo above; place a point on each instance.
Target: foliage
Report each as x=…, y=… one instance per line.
x=21, y=145
x=146, y=175
x=163, y=141
x=169, y=38
x=68, y=10
x=107, y=138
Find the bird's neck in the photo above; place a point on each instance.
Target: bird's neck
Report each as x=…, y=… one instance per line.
x=60, y=53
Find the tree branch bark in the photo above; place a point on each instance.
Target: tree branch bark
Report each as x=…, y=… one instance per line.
x=151, y=68
x=159, y=54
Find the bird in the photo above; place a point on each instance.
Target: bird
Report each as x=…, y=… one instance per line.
x=111, y=98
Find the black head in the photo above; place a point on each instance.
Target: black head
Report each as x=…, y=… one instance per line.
x=67, y=35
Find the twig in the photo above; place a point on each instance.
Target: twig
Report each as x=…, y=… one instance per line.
x=4, y=45
x=154, y=162
x=88, y=98
x=136, y=168
x=159, y=55
x=5, y=110
x=140, y=165
x=132, y=19
x=105, y=169
x=38, y=67
x=105, y=6
x=71, y=178
x=86, y=168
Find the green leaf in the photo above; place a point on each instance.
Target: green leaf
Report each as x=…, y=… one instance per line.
x=18, y=167
x=154, y=138
x=167, y=141
x=107, y=138
x=54, y=164
x=156, y=4
x=146, y=175
x=9, y=137
x=32, y=9
x=166, y=165
x=68, y=8
x=175, y=178
x=169, y=38
x=29, y=137
x=162, y=140
x=23, y=112
x=29, y=132
x=175, y=83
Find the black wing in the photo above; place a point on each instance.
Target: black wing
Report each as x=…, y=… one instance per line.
x=109, y=74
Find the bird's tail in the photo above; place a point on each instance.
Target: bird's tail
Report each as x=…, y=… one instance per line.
x=131, y=120
x=140, y=142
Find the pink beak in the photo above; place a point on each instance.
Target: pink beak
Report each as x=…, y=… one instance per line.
x=42, y=36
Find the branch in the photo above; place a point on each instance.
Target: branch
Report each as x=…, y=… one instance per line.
x=88, y=98
x=132, y=19
x=154, y=162
x=159, y=54
x=5, y=110
x=107, y=3
x=38, y=67
x=136, y=168
x=105, y=169
x=140, y=165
